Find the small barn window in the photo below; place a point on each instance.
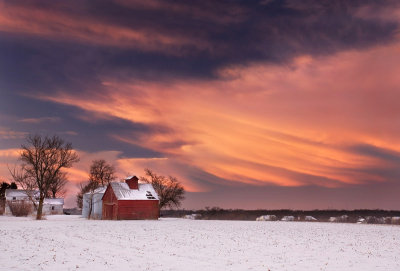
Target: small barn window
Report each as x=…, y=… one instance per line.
x=52, y=207
x=149, y=195
x=14, y=198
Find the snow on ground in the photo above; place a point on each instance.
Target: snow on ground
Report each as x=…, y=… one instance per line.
x=73, y=243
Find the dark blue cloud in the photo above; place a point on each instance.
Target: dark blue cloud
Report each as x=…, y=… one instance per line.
x=236, y=33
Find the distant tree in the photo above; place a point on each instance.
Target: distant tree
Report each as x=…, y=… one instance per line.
x=170, y=191
x=57, y=187
x=4, y=186
x=42, y=162
x=83, y=189
x=101, y=174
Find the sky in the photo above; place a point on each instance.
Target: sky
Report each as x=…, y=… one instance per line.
x=250, y=104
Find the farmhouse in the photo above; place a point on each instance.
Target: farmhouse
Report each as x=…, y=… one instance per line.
x=130, y=200
x=16, y=196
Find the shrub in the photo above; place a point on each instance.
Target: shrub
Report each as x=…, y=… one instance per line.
x=2, y=206
x=20, y=208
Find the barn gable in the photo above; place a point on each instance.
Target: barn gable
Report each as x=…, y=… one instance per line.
x=120, y=201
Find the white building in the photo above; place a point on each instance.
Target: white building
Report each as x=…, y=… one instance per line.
x=50, y=206
x=267, y=218
x=288, y=218
x=310, y=218
x=94, y=198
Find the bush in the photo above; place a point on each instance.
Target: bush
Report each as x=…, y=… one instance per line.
x=2, y=206
x=20, y=208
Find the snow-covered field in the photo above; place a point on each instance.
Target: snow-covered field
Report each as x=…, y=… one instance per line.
x=72, y=243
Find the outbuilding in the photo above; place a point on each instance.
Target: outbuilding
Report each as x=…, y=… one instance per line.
x=92, y=203
x=14, y=197
x=130, y=200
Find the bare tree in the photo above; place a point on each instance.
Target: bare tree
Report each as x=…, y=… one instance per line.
x=101, y=174
x=3, y=187
x=57, y=187
x=170, y=191
x=26, y=182
x=42, y=162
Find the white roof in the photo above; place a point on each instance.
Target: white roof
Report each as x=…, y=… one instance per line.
x=99, y=190
x=54, y=201
x=19, y=193
x=123, y=192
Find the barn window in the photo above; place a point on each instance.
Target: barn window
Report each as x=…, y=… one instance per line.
x=52, y=207
x=149, y=195
x=14, y=198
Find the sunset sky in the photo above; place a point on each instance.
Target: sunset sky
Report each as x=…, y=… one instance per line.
x=251, y=104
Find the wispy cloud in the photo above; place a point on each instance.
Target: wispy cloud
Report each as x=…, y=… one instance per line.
x=6, y=133
x=40, y=120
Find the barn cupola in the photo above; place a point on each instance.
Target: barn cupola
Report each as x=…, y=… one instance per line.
x=132, y=182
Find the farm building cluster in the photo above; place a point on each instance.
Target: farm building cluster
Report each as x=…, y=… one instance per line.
x=116, y=201
x=29, y=200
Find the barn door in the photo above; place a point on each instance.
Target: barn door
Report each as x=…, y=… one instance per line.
x=108, y=211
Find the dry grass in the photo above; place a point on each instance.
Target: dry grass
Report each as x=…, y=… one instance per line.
x=20, y=208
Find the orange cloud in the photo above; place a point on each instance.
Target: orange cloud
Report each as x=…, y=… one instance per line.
x=265, y=124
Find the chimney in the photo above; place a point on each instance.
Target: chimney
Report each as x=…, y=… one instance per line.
x=132, y=182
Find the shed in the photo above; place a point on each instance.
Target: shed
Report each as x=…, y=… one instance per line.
x=94, y=199
x=130, y=200
x=51, y=206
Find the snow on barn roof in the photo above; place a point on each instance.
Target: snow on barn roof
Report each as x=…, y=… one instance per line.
x=145, y=191
x=130, y=177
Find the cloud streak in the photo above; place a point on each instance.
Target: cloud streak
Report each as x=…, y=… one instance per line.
x=289, y=132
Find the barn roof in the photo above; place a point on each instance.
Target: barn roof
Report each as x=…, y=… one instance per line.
x=145, y=191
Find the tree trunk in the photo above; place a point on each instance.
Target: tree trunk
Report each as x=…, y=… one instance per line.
x=90, y=206
x=40, y=208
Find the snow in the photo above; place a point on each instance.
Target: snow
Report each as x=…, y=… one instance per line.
x=73, y=243
x=123, y=192
x=57, y=201
x=130, y=177
x=99, y=190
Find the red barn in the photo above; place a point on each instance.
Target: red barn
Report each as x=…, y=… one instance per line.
x=130, y=200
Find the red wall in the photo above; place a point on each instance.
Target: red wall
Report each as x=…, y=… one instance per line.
x=128, y=209
x=138, y=209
